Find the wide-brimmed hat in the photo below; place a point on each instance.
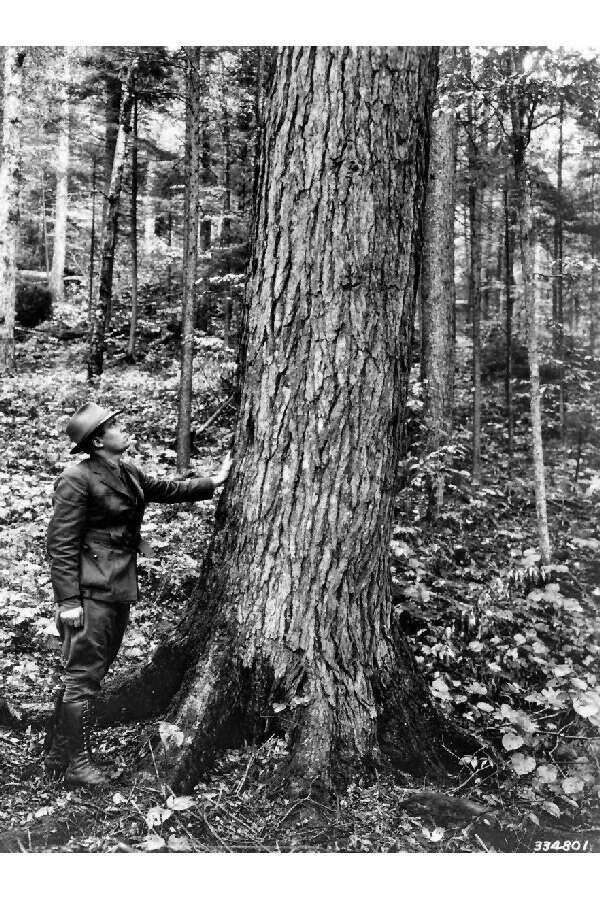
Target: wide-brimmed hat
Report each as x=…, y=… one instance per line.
x=85, y=421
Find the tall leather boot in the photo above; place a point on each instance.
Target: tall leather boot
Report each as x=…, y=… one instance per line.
x=97, y=758
x=77, y=723
x=57, y=756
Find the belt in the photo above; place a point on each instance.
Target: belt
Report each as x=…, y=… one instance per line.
x=124, y=541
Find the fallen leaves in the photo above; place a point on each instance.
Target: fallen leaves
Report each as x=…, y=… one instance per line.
x=572, y=785
x=547, y=774
x=512, y=741
x=522, y=764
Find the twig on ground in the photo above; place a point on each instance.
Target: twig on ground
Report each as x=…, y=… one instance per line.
x=162, y=787
x=215, y=834
x=487, y=849
x=291, y=809
x=245, y=775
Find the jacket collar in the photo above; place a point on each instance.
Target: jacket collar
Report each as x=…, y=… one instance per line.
x=109, y=476
x=134, y=480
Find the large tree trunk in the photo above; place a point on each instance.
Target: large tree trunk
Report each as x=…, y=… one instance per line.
x=59, y=249
x=190, y=263
x=10, y=180
x=110, y=231
x=521, y=119
x=293, y=627
x=438, y=296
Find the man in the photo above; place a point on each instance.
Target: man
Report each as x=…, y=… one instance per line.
x=93, y=541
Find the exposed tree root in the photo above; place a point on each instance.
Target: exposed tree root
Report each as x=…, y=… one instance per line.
x=10, y=717
x=214, y=703
x=206, y=714
x=51, y=833
x=148, y=691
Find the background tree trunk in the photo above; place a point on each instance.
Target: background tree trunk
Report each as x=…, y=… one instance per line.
x=476, y=148
x=112, y=124
x=438, y=294
x=45, y=228
x=110, y=231
x=594, y=255
x=59, y=249
x=92, y=258
x=10, y=178
x=226, y=230
x=488, y=258
x=134, y=234
x=521, y=118
x=559, y=273
x=192, y=206
x=202, y=299
x=293, y=627
x=509, y=247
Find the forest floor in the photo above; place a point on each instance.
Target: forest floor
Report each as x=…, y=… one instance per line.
x=510, y=653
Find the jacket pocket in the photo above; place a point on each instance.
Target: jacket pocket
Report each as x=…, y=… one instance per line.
x=96, y=567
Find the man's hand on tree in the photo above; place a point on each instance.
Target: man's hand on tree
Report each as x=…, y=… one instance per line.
x=72, y=617
x=221, y=476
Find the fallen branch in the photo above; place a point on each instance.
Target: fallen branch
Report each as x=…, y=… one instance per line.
x=214, y=416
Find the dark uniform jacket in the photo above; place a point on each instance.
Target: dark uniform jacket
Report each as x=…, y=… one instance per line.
x=94, y=533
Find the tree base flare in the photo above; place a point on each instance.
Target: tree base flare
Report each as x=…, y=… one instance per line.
x=220, y=704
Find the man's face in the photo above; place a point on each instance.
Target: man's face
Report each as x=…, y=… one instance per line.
x=115, y=439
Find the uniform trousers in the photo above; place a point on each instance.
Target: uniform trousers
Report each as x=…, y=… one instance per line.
x=89, y=652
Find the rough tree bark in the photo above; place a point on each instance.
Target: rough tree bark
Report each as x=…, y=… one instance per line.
x=522, y=109
x=438, y=292
x=292, y=627
x=59, y=248
x=10, y=181
x=110, y=231
x=190, y=264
